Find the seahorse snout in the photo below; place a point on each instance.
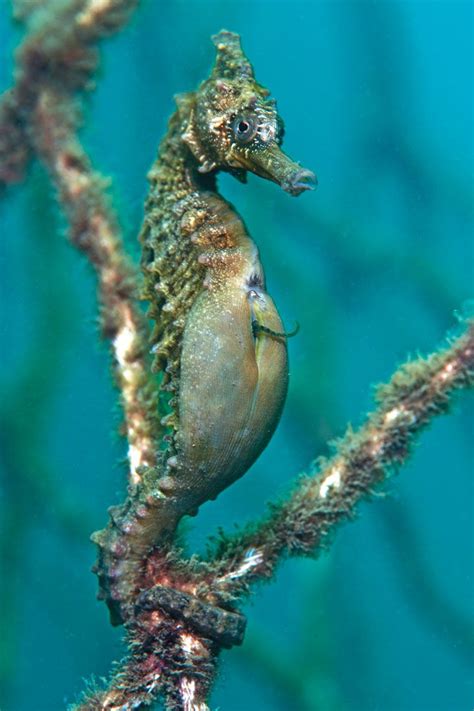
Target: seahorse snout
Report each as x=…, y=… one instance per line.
x=273, y=164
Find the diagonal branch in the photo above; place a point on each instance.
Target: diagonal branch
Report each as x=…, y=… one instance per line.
x=93, y=229
x=417, y=392
x=58, y=50
x=171, y=655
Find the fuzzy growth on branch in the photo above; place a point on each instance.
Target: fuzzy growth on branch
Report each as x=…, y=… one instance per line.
x=417, y=392
x=166, y=648
x=41, y=114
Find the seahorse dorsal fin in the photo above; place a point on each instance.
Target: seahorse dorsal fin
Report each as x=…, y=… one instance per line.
x=184, y=101
x=190, y=137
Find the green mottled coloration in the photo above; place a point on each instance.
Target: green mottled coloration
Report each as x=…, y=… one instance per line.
x=218, y=338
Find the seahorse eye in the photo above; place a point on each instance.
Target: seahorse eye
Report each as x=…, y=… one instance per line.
x=244, y=128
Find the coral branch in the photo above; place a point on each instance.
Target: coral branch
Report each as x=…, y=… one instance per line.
x=58, y=51
x=418, y=391
x=55, y=61
x=94, y=231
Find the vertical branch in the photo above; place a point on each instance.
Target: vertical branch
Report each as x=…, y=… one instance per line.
x=94, y=230
x=41, y=114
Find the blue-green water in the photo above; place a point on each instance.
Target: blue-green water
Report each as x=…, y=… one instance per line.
x=377, y=98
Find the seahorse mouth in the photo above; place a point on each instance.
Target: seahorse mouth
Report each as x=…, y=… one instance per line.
x=271, y=163
x=300, y=181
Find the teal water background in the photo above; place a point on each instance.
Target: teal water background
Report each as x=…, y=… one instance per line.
x=377, y=98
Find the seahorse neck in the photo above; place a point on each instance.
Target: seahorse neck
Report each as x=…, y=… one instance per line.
x=175, y=175
x=185, y=217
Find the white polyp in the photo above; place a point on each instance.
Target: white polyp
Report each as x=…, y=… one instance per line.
x=448, y=371
x=252, y=558
x=88, y=15
x=134, y=457
x=188, y=690
x=188, y=695
x=333, y=480
x=107, y=700
x=189, y=643
x=150, y=688
x=377, y=445
x=123, y=342
x=393, y=414
x=123, y=345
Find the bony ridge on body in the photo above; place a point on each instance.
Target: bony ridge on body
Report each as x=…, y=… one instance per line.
x=218, y=339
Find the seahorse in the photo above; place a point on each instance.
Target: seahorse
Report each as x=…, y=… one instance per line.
x=218, y=340
x=218, y=336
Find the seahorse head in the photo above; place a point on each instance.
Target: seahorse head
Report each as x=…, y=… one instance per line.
x=234, y=126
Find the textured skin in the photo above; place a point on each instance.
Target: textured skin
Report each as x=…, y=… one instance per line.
x=205, y=283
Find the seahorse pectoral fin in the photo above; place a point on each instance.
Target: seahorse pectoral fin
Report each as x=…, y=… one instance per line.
x=260, y=328
x=266, y=320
